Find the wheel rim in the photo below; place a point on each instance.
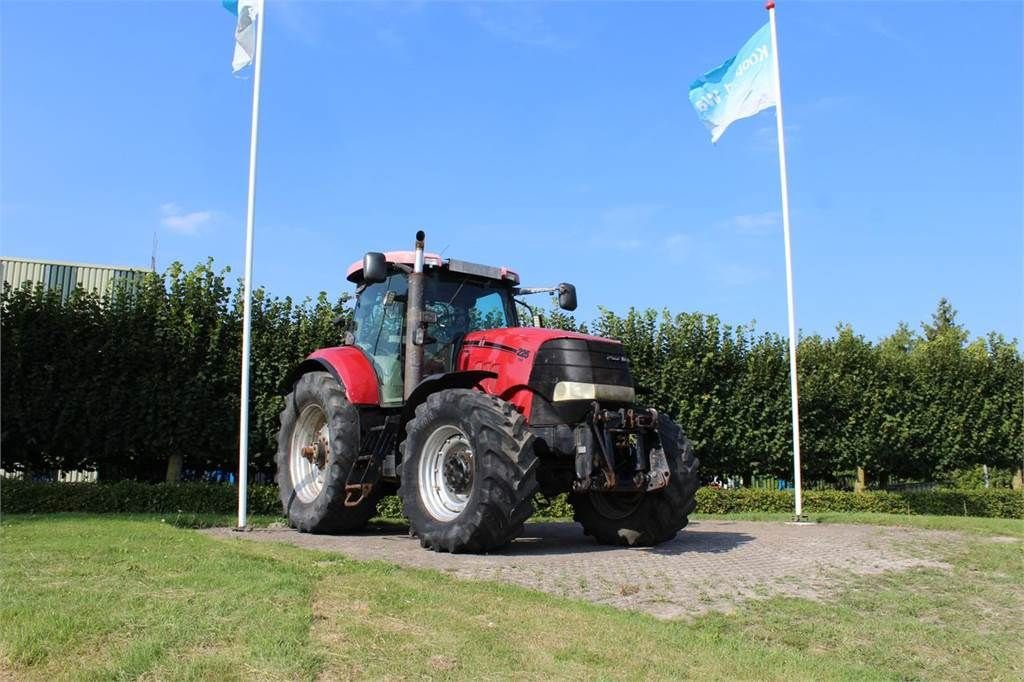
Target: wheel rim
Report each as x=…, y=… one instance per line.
x=446, y=473
x=616, y=505
x=309, y=450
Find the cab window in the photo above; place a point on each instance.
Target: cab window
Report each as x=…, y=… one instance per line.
x=379, y=323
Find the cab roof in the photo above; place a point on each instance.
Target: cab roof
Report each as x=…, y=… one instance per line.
x=434, y=260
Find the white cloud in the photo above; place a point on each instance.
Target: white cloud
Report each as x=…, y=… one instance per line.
x=766, y=136
x=833, y=102
x=754, y=223
x=737, y=275
x=678, y=239
x=298, y=22
x=390, y=39
x=884, y=30
x=629, y=216
x=521, y=23
x=624, y=227
x=627, y=244
x=176, y=220
x=679, y=245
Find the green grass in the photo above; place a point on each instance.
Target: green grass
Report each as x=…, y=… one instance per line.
x=176, y=519
x=974, y=524
x=116, y=598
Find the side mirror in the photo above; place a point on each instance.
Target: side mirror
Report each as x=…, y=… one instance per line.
x=566, y=296
x=375, y=268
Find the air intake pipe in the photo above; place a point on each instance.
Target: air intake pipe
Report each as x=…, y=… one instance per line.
x=415, y=330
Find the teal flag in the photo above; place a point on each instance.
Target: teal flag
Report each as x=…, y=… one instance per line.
x=741, y=87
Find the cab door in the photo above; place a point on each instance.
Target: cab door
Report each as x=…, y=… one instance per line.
x=379, y=319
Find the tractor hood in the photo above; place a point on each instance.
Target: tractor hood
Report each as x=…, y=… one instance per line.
x=526, y=341
x=549, y=374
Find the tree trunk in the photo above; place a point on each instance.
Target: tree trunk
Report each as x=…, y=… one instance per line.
x=174, y=465
x=860, y=484
x=1018, y=478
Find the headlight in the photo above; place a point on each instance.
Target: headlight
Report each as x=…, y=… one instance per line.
x=578, y=390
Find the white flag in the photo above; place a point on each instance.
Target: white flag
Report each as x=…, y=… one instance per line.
x=245, y=31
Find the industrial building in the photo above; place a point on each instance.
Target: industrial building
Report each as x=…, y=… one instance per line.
x=65, y=276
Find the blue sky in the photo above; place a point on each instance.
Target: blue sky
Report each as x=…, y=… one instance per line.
x=554, y=138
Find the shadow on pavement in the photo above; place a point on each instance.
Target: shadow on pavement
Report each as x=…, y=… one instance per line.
x=547, y=539
x=387, y=528
x=568, y=538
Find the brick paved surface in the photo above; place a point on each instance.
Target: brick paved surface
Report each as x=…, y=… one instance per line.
x=711, y=565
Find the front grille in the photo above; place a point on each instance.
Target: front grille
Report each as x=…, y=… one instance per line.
x=575, y=360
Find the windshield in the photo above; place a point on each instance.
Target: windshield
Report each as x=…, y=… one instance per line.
x=462, y=304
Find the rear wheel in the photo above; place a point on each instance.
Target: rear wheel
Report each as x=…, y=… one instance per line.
x=645, y=518
x=468, y=472
x=316, y=447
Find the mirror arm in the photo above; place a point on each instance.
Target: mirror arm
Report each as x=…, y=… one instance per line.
x=563, y=290
x=524, y=291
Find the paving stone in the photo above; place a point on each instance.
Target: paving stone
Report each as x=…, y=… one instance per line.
x=709, y=566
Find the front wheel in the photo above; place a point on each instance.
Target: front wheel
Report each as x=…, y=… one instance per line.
x=645, y=518
x=468, y=472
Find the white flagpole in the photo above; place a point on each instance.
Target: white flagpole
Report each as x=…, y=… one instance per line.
x=794, y=394
x=243, y=427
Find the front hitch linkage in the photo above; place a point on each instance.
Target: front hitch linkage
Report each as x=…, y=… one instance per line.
x=608, y=432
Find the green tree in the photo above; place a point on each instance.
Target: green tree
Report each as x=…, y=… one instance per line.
x=142, y=382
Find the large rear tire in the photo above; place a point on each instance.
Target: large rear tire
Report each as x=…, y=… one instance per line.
x=645, y=519
x=316, y=447
x=468, y=472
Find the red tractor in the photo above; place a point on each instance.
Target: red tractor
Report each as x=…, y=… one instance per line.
x=438, y=393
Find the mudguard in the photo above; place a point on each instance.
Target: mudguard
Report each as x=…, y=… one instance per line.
x=348, y=365
x=440, y=382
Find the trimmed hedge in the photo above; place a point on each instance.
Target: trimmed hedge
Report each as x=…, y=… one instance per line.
x=998, y=503
x=134, y=367
x=19, y=497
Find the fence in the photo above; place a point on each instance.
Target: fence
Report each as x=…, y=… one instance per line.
x=58, y=476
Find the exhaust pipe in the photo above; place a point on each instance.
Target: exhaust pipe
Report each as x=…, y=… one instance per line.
x=414, y=329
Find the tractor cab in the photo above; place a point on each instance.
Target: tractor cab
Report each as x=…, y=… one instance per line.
x=458, y=298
